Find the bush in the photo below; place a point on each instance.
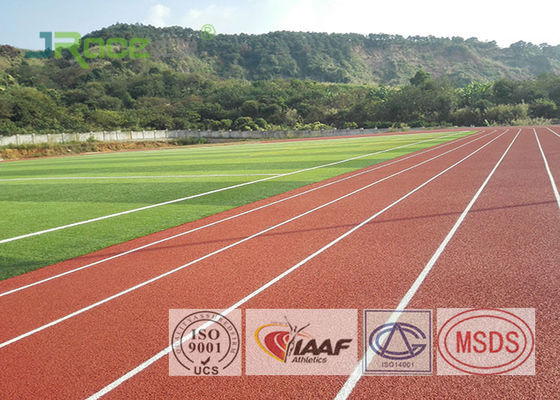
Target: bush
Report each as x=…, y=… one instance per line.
x=245, y=124
x=314, y=126
x=262, y=124
x=506, y=113
x=466, y=117
x=226, y=123
x=350, y=125
x=543, y=108
x=8, y=128
x=417, y=123
x=380, y=125
x=106, y=119
x=531, y=121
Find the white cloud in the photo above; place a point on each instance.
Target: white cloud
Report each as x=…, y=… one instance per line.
x=226, y=19
x=157, y=15
x=303, y=16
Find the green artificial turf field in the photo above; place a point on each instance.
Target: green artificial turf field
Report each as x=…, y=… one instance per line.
x=45, y=193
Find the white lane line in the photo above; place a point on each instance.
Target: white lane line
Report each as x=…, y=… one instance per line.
x=168, y=349
x=552, y=182
x=552, y=131
x=353, y=379
x=156, y=278
x=241, y=214
x=195, y=195
x=52, y=178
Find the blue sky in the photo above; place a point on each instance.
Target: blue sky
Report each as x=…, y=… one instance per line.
x=503, y=21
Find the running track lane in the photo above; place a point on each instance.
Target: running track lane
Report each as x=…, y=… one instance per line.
x=70, y=293
x=100, y=345
x=367, y=270
x=373, y=267
x=550, y=144
x=506, y=254
x=516, y=248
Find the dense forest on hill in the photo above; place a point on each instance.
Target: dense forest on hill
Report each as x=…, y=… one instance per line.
x=341, y=58
x=280, y=80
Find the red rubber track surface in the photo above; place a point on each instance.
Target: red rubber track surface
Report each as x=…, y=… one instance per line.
x=505, y=254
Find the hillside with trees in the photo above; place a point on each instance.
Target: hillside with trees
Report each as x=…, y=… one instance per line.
x=280, y=80
x=340, y=58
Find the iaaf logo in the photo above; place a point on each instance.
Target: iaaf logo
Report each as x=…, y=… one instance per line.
x=290, y=343
x=301, y=342
x=114, y=48
x=486, y=341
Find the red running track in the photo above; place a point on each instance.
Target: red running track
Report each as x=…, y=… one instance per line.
x=504, y=254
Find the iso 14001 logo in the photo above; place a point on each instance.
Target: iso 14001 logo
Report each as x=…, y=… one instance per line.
x=413, y=338
x=204, y=343
x=397, y=342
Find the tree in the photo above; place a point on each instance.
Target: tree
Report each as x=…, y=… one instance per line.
x=245, y=124
x=504, y=90
x=543, y=108
x=474, y=94
x=250, y=108
x=420, y=77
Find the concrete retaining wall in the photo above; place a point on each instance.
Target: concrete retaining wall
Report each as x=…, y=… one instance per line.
x=119, y=136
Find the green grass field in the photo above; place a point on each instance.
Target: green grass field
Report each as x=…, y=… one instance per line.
x=40, y=194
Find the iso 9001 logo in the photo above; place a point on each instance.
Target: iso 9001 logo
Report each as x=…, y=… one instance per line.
x=204, y=343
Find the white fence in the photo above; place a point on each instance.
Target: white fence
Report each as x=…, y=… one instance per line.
x=119, y=136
